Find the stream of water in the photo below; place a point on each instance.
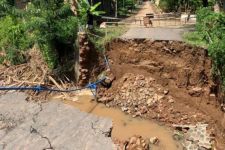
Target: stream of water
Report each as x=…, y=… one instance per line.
x=125, y=126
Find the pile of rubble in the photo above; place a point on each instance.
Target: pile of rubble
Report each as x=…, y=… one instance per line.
x=135, y=94
x=141, y=96
x=195, y=136
x=137, y=142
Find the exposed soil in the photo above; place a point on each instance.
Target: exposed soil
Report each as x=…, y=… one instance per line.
x=167, y=81
x=88, y=60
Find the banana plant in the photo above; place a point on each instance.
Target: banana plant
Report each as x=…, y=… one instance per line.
x=84, y=8
x=93, y=10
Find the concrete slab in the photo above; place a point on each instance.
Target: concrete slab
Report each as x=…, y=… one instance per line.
x=172, y=34
x=52, y=125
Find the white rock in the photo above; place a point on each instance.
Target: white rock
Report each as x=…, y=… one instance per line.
x=154, y=140
x=171, y=100
x=124, y=108
x=166, y=92
x=103, y=25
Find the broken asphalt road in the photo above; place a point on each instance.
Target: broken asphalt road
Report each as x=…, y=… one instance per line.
x=52, y=125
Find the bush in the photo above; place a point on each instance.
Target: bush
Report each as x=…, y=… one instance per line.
x=13, y=39
x=211, y=29
x=195, y=38
x=182, y=5
x=211, y=34
x=51, y=22
x=99, y=38
x=45, y=23
x=169, y=5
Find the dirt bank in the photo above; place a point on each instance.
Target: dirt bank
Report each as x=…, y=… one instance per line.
x=164, y=80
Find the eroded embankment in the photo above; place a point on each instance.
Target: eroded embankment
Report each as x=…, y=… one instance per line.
x=164, y=80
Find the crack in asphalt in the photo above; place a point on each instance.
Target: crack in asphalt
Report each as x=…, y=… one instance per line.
x=35, y=131
x=36, y=114
x=106, y=133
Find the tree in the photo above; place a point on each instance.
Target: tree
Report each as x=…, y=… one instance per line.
x=211, y=28
x=84, y=8
x=184, y=5
x=13, y=38
x=205, y=3
x=51, y=23
x=47, y=23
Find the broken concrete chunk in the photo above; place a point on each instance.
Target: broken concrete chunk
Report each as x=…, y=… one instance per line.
x=195, y=92
x=154, y=140
x=196, y=136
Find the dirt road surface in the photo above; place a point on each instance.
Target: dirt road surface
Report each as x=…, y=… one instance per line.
x=146, y=9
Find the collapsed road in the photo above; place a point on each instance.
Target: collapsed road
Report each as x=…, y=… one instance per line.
x=51, y=125
x=166, y=81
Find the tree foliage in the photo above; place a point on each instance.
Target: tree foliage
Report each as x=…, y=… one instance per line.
x=44, y=22
x=84, y=8
x=211, y=29
x=183, y=5
x=125, y=5
x=50, y=22
x=13, y=37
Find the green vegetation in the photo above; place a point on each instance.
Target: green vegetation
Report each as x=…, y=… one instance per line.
x=211, y=34
x=211, y=28
x=124, y=6
x=45, y=23
x=102, y=36
x=13, y=37
x=194, y=38
x=183, y=5
x=85, y=7
x=51, y=23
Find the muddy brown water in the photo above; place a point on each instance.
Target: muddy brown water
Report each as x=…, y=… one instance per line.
x=125, y=126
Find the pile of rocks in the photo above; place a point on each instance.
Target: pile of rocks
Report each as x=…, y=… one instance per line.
x=195, y=136
x=135, y=94
x=137, y=142
x=142, y=96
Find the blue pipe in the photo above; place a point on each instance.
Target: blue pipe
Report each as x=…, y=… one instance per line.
x=42, y=88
